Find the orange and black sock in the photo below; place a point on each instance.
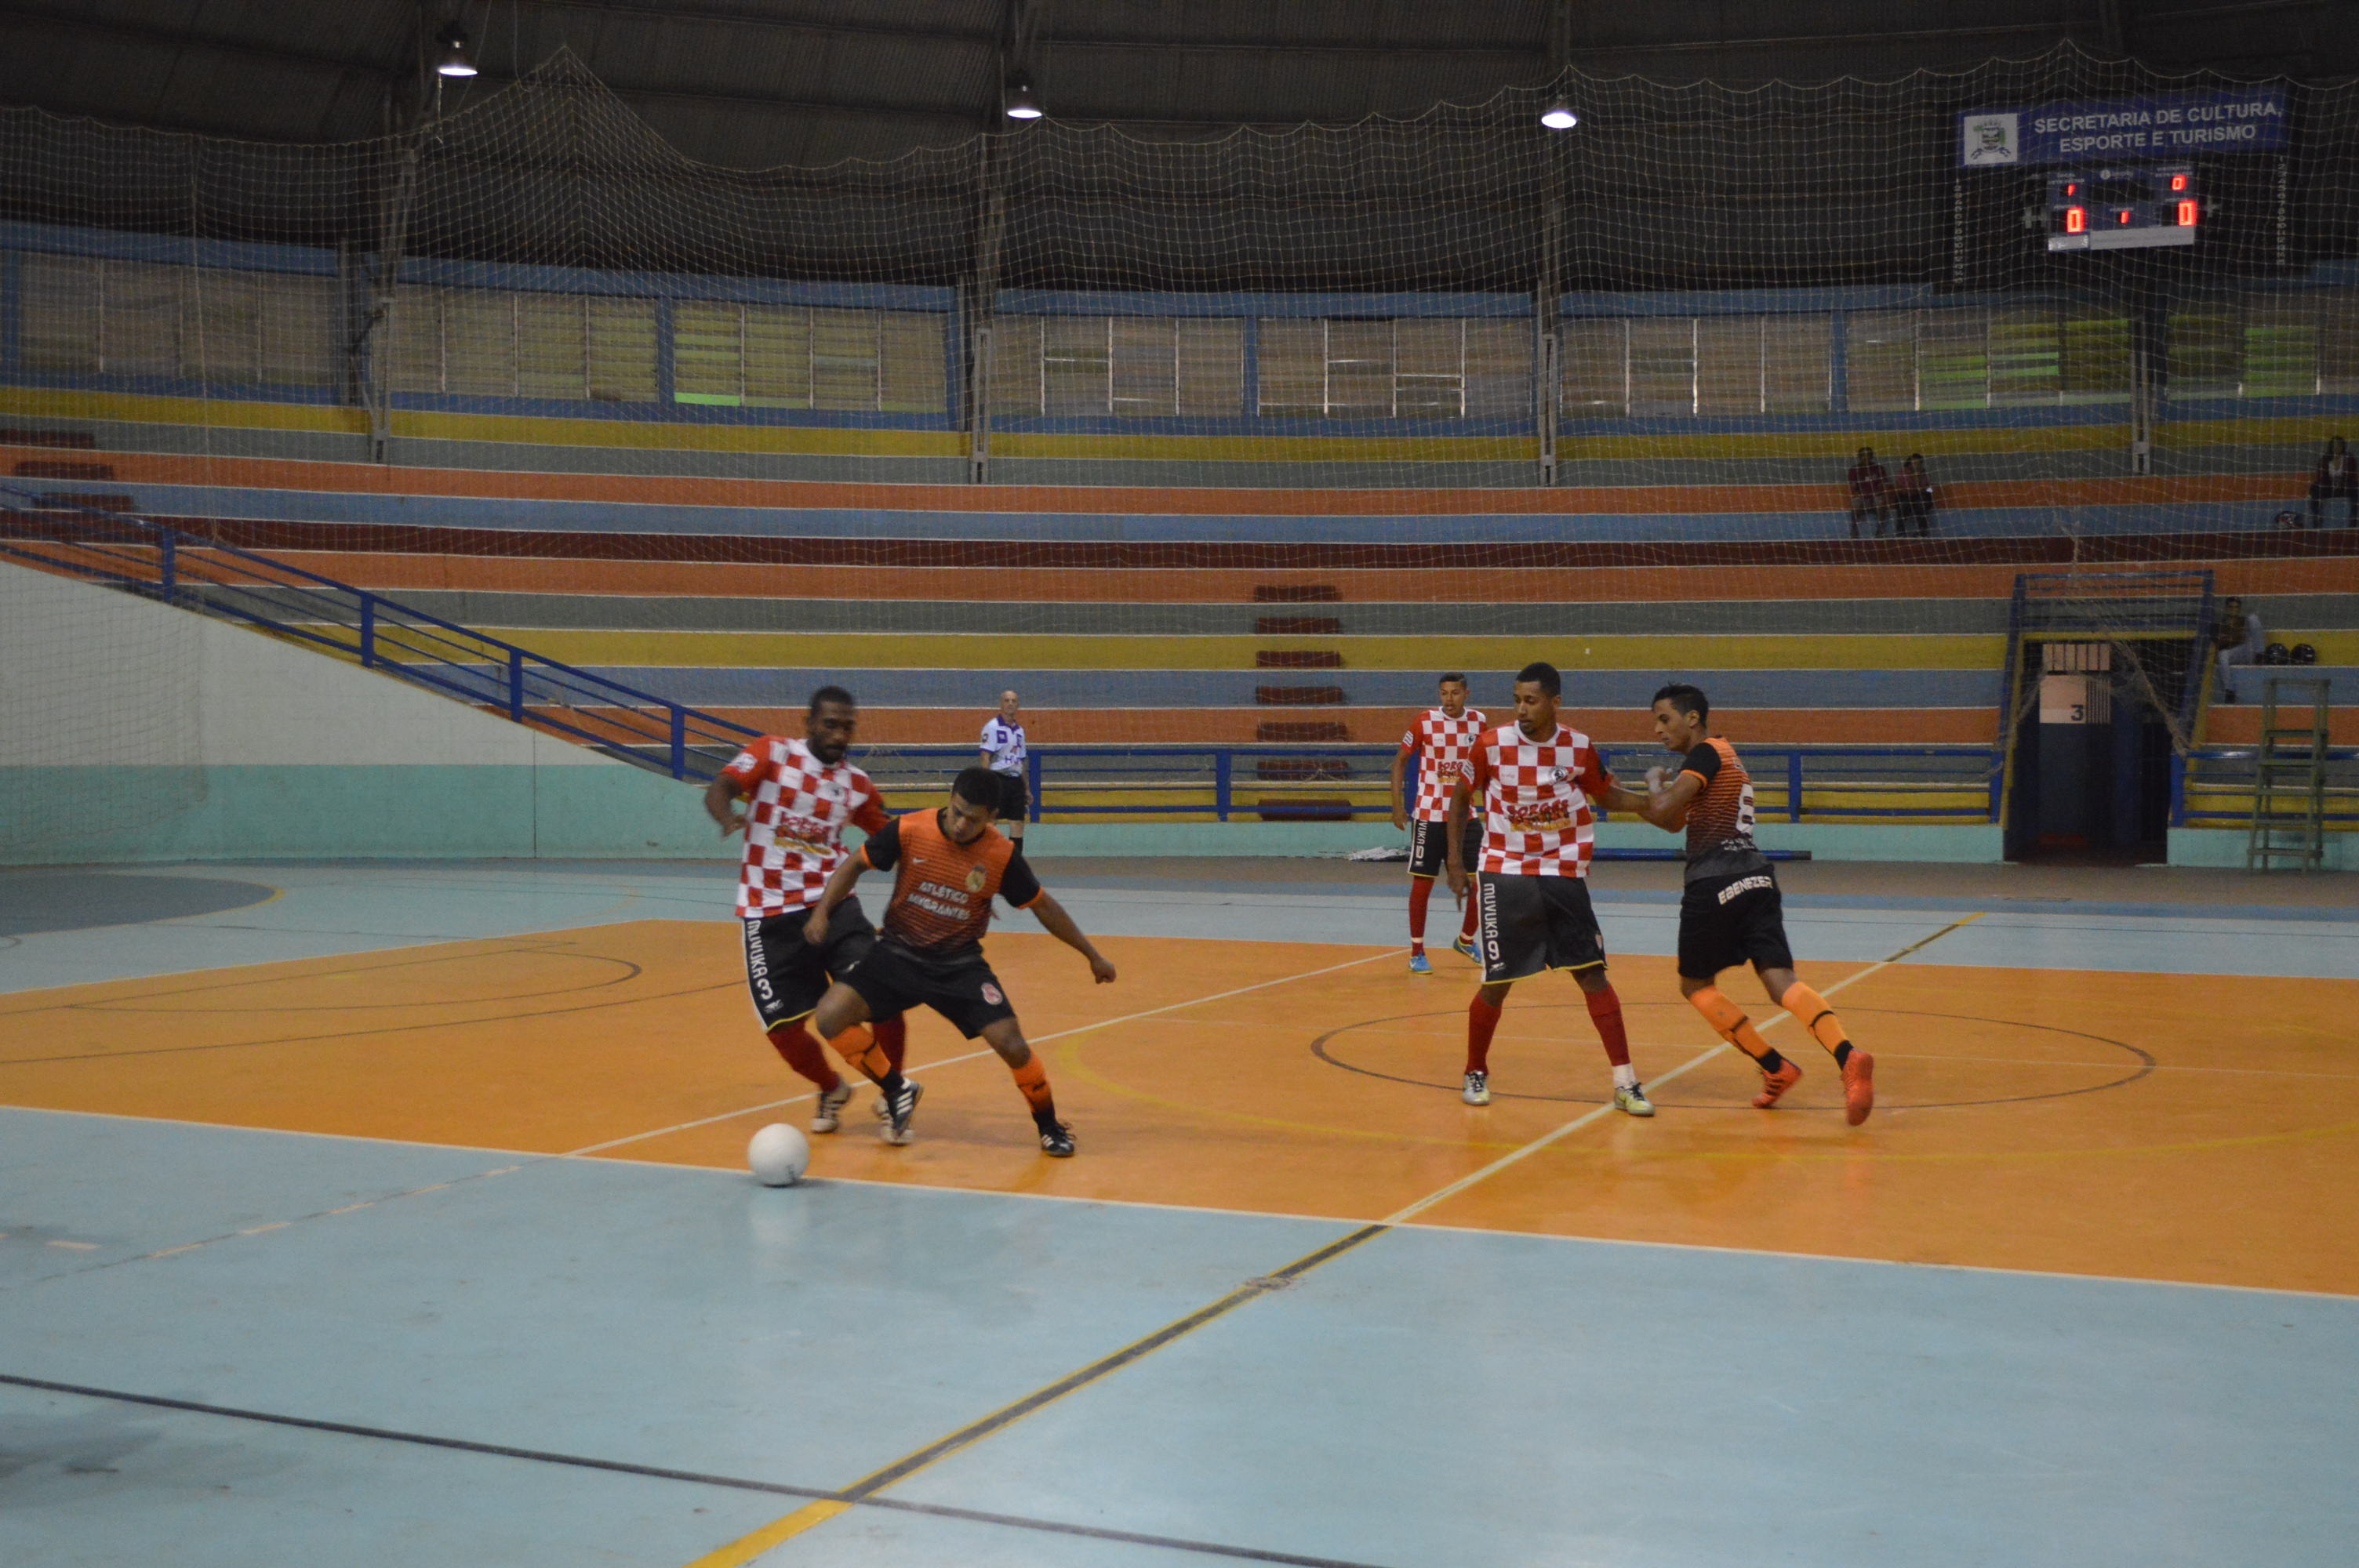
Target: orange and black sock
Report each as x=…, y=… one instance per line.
x=858, y=1046
x=1482, y=1018
x=1728, y=1021
x=1420, y=893
x=1820, y=1019
x=1032, y=1078
x=800, y=1052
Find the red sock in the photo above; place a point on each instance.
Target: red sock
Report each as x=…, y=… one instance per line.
x=1474, y=910
x=794, y=1043
x=1605, y=1011
x=893, y=1038
x=1482, y=1018
x=1420, y=892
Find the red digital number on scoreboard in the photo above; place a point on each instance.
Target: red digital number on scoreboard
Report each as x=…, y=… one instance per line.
x=2076, y=220
x=2187, y=214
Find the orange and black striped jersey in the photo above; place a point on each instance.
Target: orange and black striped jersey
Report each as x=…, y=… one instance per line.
x=1720, y=819
x=941, y=891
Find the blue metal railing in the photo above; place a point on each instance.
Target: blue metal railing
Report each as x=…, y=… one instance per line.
x=2212, y=786
x=159, y=562
x=1792, y=783
x=1949, y=784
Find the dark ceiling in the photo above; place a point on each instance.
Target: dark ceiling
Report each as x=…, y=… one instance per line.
x=756, y=84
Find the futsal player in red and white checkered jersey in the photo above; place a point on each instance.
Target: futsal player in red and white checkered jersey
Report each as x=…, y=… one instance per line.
x=800, y=796
x=1440, y=740
x=1540, y=783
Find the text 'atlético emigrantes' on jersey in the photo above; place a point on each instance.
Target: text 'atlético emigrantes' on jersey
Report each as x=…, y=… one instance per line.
x=795, y=810
x=1538, y=819
x=1440, y=745
x=1720, y=817
x=942, y=891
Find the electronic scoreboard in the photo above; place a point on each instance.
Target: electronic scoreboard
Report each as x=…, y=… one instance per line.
x=2124, y=209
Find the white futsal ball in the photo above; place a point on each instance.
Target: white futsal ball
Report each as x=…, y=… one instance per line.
x=779, y=1155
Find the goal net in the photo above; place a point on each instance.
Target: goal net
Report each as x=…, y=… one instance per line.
x=1219, y=452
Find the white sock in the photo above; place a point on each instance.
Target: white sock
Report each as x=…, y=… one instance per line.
x=1626, y=1077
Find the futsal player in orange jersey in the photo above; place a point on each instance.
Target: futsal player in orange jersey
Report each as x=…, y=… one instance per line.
x=1731, y=912
x=947, y=865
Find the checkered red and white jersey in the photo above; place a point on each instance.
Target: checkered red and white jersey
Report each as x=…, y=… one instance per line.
x=795, y=810
x=1538, y=819
x=1440, y=745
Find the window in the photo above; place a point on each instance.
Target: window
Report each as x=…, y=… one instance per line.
x=2012, y=356
x=495, y=343
x=1411, y=368
x=1129, y=367
x=793, y=356
x=88, y=315
x=1689, y=365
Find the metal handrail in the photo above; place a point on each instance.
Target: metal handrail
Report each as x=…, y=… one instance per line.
x=187, y=570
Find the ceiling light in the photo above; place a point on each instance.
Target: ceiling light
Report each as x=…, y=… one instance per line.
x=451, y=59
x=1558, y=116
x=1023, y=104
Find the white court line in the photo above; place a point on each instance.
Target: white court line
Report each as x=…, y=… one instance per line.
x=1401, y=1216
x=970, y=1055
x=538, y=1159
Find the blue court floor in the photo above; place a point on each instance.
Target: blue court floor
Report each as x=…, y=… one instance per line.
x=220, y=1346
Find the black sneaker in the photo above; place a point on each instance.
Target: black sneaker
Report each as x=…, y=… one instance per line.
x=1056, y=1140
x=902, y=1105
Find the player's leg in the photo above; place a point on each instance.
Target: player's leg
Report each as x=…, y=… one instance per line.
x=1006, y=1036
x=880, y=986
x=1513, y=942
x=1425, y=842
x=1015, y=810
x=1810, y=1010
x=1707, y=945
x=786, y=979
x=1578, y=946
x=1471, y=849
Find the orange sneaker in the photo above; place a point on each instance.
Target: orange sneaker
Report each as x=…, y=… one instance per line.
x=1859, y=1087
x=1776, y=1084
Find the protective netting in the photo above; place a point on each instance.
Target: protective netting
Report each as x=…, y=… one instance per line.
x=1232, y=443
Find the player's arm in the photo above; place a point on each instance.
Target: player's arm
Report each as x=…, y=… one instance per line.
x=1667, y=804
x=1051, y=914
x=1400, y=780
x=1022, y=889
x=883, y=846
x=721, y=795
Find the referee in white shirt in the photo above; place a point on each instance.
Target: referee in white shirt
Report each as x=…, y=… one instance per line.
x=1003, y=753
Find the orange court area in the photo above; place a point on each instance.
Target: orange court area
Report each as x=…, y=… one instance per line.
x=2194, y=1129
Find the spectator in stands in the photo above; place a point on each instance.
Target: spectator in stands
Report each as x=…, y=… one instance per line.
x=2337, y=475
x=1870, y=491
x=2240, y=642
x=1912, y=497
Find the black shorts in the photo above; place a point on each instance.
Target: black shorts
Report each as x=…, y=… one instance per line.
x=786, y=975
x=894, y=979
x=1015, y=798
x=1531, y=924
x=1429, y=846
x=1728, y=920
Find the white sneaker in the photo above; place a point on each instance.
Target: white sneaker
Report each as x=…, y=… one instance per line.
x=1478, y=1090
x=1632, y=1100
x=829, y=1114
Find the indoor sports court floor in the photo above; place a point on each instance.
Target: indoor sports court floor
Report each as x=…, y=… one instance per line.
x=386, y=1215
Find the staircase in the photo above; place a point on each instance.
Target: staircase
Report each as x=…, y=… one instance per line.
x=2289, y=775
x=64, y=535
